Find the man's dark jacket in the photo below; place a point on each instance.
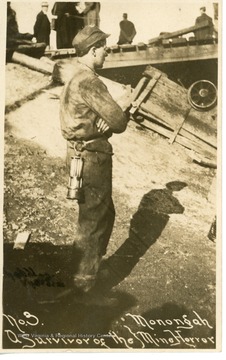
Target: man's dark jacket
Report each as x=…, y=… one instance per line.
x=42, y=28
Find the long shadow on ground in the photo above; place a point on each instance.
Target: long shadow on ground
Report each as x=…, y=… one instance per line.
x=146, y=226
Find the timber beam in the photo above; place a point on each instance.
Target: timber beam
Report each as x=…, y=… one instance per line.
x=161, y=55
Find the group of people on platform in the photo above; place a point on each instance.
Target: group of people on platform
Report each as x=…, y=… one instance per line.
x=70, y=17
x=67, y=19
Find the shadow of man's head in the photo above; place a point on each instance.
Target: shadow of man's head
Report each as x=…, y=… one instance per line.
x=175, y=185
x=162, y=201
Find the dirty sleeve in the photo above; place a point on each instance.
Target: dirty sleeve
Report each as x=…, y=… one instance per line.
x=97, y=97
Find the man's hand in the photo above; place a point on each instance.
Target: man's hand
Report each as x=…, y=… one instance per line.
x=102, y=127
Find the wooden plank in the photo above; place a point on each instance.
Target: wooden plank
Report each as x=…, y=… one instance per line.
x=201, y=124
x=179, y=32
x=168, y=110
x=115, y=49
x=201, y=130
x=178, y=128
x=168, y=101
x=150, y=55
x=156, y=127
x=127, y=47
x=180, y=139
x=183, y=133
x=193, y=146
x=151, y=72
x=145, y=92
x=155, y=118
x=141, y=46
x=169, y=90
x=179, y=42
x=192, y=40
x=155, y=111
x=207, y=40
x=48, y=60
x=198, y=141
x=161, y=55
x=206, y=137
x=166, y=43
x=138, y=88
x=59, y=52
x=32, y=63
x=21, y=240
x=203, y=161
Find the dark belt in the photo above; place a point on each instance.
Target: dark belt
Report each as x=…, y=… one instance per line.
x=81, y=145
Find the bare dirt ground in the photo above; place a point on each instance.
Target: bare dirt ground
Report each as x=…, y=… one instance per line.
x=160, y=263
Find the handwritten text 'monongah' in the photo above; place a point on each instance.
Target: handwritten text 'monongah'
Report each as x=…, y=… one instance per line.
x=158, y=333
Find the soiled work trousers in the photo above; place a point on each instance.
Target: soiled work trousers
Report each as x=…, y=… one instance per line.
x=96, y=214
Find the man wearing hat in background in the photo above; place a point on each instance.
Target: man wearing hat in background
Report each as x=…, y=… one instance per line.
x=127, y=31
x=89, y=116
x=206, y=32
x=42, y=25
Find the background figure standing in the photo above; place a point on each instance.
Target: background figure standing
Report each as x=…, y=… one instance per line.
x=42, y=25
x=24, y=41
x=127, y=31
x=12, y=26
x=65, y=23
x=208, y=31
x=92, y=13
x=13, y=36
x=79, y=16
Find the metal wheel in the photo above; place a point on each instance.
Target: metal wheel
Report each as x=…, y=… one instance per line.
x=202, y=95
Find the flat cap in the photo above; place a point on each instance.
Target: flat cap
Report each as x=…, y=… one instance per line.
x=87, y=37
x=44, y=4
x=203, y=8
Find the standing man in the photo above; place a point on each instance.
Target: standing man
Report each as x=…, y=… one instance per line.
x=42, y=25
x=127, y=31
x=59, y=10
x=204, y=18
x=92, y=13
x=13, y=36
x=65, y=23
x=89, y=116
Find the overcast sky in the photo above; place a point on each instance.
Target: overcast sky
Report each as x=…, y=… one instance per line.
x=150, y=17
